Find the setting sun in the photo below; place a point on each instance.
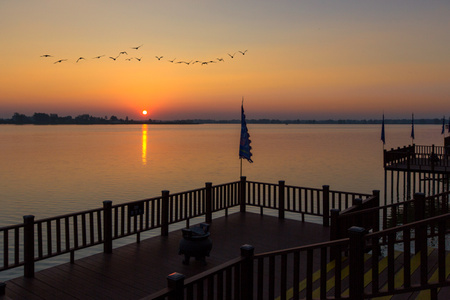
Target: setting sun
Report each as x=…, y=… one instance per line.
x=144, y=112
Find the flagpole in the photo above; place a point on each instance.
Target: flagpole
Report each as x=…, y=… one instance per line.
x=242, y=105
x=241, y=168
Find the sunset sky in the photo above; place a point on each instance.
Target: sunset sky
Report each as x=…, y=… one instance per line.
x=305, y=59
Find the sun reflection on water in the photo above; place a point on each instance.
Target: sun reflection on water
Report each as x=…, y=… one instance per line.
x=144, y=144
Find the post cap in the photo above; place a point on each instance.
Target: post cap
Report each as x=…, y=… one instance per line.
x=175, y=276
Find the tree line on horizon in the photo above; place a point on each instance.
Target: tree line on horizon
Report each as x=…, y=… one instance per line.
x=54, y=119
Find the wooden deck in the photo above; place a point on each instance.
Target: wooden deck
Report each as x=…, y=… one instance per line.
x=140, y=269
x=419, y=168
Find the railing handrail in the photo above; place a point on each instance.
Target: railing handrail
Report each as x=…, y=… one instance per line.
x=334, y=243
x=403, y=227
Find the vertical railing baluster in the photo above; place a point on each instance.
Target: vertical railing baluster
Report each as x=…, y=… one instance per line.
x=28, y=246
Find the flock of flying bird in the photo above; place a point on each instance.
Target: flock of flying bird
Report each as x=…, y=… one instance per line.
x=129, y=58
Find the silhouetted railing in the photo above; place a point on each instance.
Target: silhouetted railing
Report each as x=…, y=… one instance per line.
x=292, y=273
x=301, y=200
x=373, y=217
x=24, y=244
x=419, y=157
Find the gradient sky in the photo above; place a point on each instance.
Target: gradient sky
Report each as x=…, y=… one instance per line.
x=305, y=59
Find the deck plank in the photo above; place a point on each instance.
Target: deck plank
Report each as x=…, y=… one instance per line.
x=139, y=269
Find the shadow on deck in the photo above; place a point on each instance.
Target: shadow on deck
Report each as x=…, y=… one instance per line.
x=139, y=269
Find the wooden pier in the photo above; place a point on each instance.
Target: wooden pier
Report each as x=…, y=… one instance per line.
x=139, y=269
x=283, y=258
x=416, y=168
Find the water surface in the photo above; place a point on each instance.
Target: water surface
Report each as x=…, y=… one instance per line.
x=52, y=170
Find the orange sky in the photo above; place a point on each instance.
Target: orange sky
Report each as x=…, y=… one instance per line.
x=305, y=59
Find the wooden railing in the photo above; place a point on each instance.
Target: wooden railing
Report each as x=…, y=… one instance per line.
x=363, y=213
x=418, y=156
x=289, y=273
x=35, y=240
x=371, y=216
x=300, y=200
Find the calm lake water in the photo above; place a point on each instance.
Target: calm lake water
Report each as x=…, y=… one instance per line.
x=52, y=170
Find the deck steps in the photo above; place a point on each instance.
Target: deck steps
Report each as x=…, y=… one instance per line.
x=383, y=277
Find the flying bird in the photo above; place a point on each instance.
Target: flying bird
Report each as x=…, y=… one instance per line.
x=183, y=62
x=172, y=60
x=139, y=59
x=136, y=48
x=220, y=59
x=123, y=52
x=60, y=61
x=46, y=55
x=232, y=56
x=243, y=53
x=80, y=58
x=114, y=58
x=129, y=59
x=97, y=57
x=159, y=57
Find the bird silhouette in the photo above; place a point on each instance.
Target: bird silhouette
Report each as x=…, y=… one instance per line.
x=129, y=59
x=220, y=59
x=97, y=57
x=159, y=57
x=80, y=58
x=114, y=58
x=232, y=56
x=60, y=61
x=243, y=53
x=139, y=59
x=172, y=60
x=136, y=48
x=183, y=62
x=46, y=55
x=123, y=52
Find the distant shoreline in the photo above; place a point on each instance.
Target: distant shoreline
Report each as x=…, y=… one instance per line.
x=86, y=119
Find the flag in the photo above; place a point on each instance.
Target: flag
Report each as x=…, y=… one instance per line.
x=443, y=125
x=412, y=127
x=383, y=138
x=244, y=147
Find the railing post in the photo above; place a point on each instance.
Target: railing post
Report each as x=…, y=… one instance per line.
x=432, y=157
x=419, y=214
x=208, y=204
x=376, y=195
x=242, y=192
x=334, y=231
x=175, y=282
x=356, y=262
x=326, y=205
x=281, y=199
x=28, y=245
x=247, y=252
x=107, y=226
x=165, y=213
x=2, y=288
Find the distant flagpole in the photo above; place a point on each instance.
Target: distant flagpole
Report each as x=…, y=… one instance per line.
x=383, y=137
x=244, y=145
x=443, y=126
x=412, y=130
